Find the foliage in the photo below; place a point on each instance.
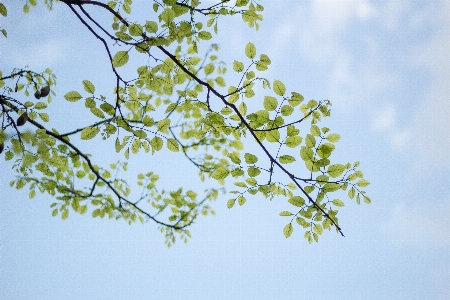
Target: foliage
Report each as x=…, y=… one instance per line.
x=178, y=102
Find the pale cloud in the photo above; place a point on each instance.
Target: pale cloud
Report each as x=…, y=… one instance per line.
x=385, y=118
x=385, y=121
x=419, y=224
x=431, y=121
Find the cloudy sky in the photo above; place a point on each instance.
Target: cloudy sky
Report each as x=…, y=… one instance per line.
x=385, y=66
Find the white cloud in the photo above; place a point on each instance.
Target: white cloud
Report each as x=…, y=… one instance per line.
x=414, y=224
x=384, y=118
x=431, y=121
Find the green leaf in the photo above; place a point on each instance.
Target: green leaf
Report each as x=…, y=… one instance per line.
x=241, y=200
x=250, y=158
x=336, y=170
x=151, y=26
x=135, y=30
x=253, y=172
x=270, y=103
x=331, y=187
x=172, y=145
x=44, y=117
x=3, y=10
x=65, y=214
x=285, y=214
x=204, y=35
x=107, y=108
x=164, y=125
x=26, y=8
x=231, y=203
x=351, y=193
x=315, y=131
x=293, y=141
x=288, y=229
x=156, y=143
x=40, y=105
x=88, y=86
x=306, y=153
x=297, y=201
x=317, y=228
x=334, y=137
x=296, y=99
x=97, y=112
x=286, y=159
x=363, y=183
x=302, y=222
x=338, y=202
x=168, y=15
x=287, y=110
x=89, y=133
x=238, y=66
x=279, y=88
x=72, y=96
x=220, y=173
x=120, y=59
x=135, y=146
x=250, y=50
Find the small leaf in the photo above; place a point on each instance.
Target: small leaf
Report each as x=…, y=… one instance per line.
x=337, y=202
x=285, y=213
x=88, y=86
x=220, y=173
x=270, y=103
x=3, y=10
x=204, y=35
x=250, y=50
x=334, y=137
x=297, y=201
x=238, y=66
x=241, y=200
x=351, y=193
x=336, y=170
x=172, y=145
x=288, y=229
x=164, y=125
x=250, y=158
x=279, y=88
x=231, y=203
x=72, y=96
x=318, y=228
x=120, y=59
x=89, y=133
x=293, y=141
x=286, y=159
x=363, y=183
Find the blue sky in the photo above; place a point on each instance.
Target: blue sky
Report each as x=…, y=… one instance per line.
x=385, y=67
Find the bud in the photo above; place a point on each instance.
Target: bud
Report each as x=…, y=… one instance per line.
x=22, y=119
x=45, y=91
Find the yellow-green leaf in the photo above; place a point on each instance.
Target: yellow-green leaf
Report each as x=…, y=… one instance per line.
x=88, y=86
x=172, y=145
x=72, y=96
x=279, y=88
x=120, y=59
x=287, y=230
x=89, y=133
x=250, y=50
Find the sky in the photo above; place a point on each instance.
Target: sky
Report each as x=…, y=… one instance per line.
x=385, y=67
